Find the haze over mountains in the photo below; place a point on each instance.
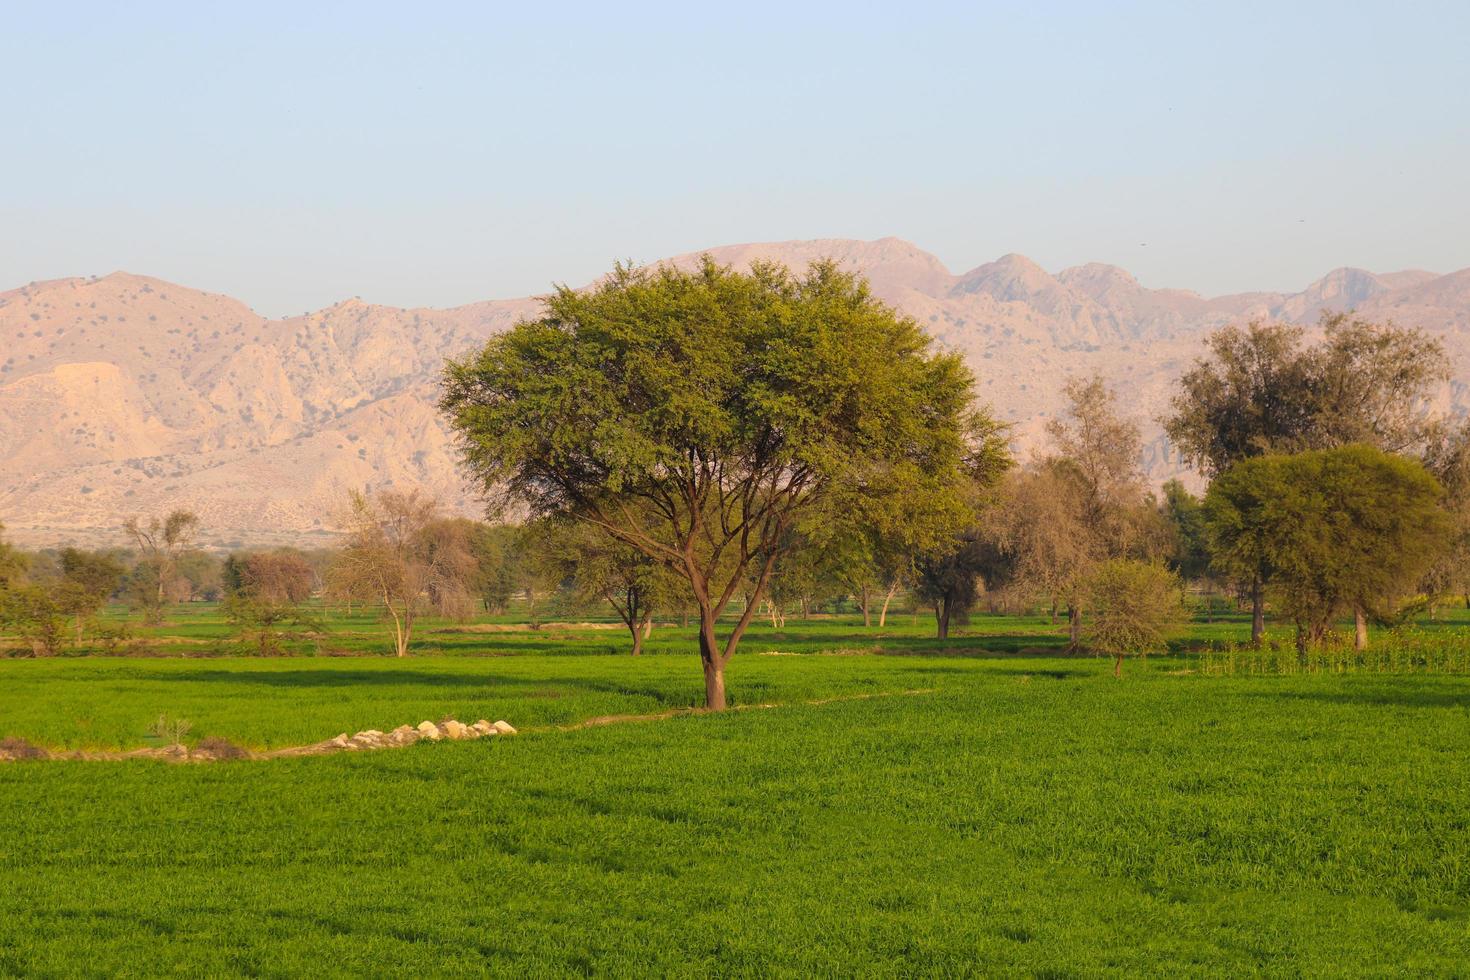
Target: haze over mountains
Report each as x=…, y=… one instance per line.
x=127, y=395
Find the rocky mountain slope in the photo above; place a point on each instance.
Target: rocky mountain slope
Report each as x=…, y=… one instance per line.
x=128, y=395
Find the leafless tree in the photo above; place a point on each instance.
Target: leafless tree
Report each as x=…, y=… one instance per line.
x=399, y=554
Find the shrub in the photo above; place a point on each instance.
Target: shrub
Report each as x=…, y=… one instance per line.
x=1136, y=606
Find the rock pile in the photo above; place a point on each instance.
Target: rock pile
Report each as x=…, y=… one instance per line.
x=214, y=750
x=371, y=738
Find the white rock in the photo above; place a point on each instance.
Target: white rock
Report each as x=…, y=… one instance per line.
x=429, y=730
x=454, y=729
x=340, y=742
x=503, y=727
x=484, y=727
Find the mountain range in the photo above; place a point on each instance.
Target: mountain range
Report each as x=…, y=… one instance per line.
x=126, y=395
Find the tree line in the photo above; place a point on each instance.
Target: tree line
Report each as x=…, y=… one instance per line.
x=722, y=445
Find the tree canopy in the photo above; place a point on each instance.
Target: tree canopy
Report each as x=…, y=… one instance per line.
x=1329, y=531
x=701, y=416
x=1260, y=390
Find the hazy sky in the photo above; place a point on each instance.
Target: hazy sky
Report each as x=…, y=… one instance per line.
x=434, y=154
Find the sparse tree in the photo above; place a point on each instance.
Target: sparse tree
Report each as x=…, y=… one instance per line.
x=264, y=596
x=392, y=557
x=159, y=544
x=731, y=407
x=604, y=569
x=1094, y=491
x=1370, y=384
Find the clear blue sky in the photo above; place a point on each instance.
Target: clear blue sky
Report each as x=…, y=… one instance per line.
x=434, y=154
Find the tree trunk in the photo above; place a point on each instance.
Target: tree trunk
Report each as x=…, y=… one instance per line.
x=1360, y=629
x=1074, y=626
x=714, y=686
x=637, y=640
x=1053, y=612
x=648, y=626
x=709, y=656
x=400, y=628
x=1209, y=604
x=941, y=613
x=1118, y=665
x=864, y=600
x=883, y=613
x=1258, y=613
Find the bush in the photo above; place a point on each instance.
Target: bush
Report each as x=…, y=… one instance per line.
x=1135, y=607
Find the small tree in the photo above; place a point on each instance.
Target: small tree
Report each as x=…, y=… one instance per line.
x=264, y=593
x=1188, y=552
x=951, y=580
x=12, y=562
x=393, y=558
x=604, y=569
x=159, y=544
x=1135, y=609
x=88, y=579
x=1248, y=513
x=494, y=548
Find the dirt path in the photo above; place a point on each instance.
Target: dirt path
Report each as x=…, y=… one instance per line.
x=214, y=750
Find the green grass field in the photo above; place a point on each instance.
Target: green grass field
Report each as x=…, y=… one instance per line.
x=1024, y=813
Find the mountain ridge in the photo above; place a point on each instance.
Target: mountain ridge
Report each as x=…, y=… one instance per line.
x=127, y=394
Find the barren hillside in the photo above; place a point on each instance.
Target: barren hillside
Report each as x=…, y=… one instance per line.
x=125, y=395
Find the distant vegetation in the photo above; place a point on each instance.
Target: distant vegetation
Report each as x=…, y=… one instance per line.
x=722, y=446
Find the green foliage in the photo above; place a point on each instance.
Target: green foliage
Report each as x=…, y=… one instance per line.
x=1259, y=391
x=1134, y=609
x=1329, y=531
x=31, y=612
x=602, y=569
x=88, y=580
x=1189, y=545
x=704, y=416
x=496, y=550
x=1407, y=649
x=951, y=580
x=12, y=562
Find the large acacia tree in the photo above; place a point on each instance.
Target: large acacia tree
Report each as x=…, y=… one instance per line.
x=705, y=416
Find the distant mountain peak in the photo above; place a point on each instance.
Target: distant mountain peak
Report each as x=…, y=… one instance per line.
x=127, y=394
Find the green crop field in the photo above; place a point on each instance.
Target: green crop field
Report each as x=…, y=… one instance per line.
x=886, y=805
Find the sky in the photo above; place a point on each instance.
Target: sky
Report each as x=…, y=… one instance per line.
x=432, y=154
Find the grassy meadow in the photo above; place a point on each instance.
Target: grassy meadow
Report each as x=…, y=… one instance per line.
x=887, y=805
